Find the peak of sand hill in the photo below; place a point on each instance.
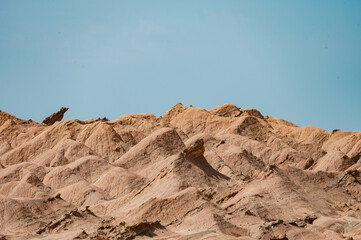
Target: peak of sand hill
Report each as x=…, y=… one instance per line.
x=222, y=173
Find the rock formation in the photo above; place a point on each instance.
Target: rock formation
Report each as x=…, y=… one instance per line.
x=222, y=173
x=58, y=116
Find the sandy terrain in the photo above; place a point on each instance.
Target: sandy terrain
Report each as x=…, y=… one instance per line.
x=222, y=173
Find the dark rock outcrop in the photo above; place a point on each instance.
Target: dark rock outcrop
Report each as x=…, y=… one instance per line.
x=58, y=116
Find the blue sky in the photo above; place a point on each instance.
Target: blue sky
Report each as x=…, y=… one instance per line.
x=298, y=60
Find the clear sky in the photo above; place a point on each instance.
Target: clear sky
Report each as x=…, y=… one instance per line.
x=298, y=60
